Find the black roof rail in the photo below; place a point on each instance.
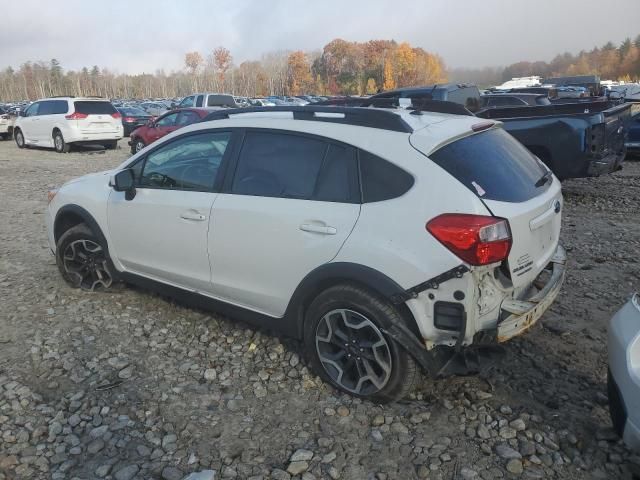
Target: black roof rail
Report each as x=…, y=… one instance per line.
x=420, y=104
x=63, y=96
x=362, y=117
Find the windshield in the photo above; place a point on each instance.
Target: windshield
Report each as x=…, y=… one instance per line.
x=493, y=165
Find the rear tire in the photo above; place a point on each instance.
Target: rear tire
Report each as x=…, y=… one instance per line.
x=59, y=144
x=82, y=259
x=19, y=139
x=137, y=145
x=347, y=349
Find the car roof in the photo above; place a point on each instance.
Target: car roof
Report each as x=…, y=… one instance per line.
x=430, y=129
x=82, y=99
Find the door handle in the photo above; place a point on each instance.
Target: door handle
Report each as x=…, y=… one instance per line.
x=193, y=215
x=325, y=230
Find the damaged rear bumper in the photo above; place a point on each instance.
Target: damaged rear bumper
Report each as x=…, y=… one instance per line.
x=523, y=314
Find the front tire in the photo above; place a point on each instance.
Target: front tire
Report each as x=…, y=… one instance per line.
x=110, y=145
x=82, y=259
x=347, y=347
x=19, y=136
x=59, y=144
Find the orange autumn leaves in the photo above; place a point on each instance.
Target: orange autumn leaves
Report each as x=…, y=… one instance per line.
x=355, y=68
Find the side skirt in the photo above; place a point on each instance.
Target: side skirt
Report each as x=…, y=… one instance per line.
x=286, y=325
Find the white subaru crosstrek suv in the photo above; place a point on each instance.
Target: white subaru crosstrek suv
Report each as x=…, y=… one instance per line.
x=60, y=122
x=384, y=239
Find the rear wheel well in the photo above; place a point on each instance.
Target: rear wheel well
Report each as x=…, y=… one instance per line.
x=55, y=130
x=326, y=283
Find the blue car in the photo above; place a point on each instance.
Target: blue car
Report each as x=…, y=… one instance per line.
x=633, y=139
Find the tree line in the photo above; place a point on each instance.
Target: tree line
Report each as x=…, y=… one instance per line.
x=341, y=67
x=609, y=61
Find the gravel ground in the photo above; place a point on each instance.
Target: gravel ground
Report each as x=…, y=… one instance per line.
x=130, y=385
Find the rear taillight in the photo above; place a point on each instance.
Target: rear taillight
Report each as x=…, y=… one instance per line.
x=116, y=115
x=129, y=119
x=76, y=116
x=476, y=239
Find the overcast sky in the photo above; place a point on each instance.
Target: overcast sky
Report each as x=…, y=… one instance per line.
x=144, y=35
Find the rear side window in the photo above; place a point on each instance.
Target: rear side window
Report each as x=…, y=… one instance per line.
x=187, y=118
x=45, y=108
x=53, y=107
x=493, y=165
x=382, y=180
x=337, y=181
x=89, y=107
x=278, y=165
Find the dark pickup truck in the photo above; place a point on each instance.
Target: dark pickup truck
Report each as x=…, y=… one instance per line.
x=574, y=139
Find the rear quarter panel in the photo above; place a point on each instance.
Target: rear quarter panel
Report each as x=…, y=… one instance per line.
x=391, y=236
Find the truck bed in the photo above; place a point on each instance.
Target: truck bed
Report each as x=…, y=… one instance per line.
x=573, y=139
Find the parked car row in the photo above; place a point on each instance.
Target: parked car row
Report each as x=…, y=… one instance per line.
x=573, y=139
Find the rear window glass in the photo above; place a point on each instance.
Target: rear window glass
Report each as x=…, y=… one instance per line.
x=94, y=108
x=134, y=111
x=493, y=165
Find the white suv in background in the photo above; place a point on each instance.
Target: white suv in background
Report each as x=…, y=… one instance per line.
x=62, y=121
x=384, y=239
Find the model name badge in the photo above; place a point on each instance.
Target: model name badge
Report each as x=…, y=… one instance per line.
x=522, y=269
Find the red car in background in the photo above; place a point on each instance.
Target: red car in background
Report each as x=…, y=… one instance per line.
x=165, y=124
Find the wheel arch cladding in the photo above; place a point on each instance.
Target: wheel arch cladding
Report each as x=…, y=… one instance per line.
x=331, y=274
x=72, y=215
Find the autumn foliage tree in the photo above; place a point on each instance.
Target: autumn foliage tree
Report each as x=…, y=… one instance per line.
x=299, y=78
x=222, y=61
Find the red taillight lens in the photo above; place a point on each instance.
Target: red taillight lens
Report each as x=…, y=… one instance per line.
x=129, y=119
x=476, y=239
x=116, y=115
x=76, y=116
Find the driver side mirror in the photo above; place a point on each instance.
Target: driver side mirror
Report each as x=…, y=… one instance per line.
x=22, y=113
x=151, y=124
x=123, y=181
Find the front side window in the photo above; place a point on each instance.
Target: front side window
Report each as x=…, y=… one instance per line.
x=168, y=120
x=278, y=165
x=188, y=163
x=32, y=111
